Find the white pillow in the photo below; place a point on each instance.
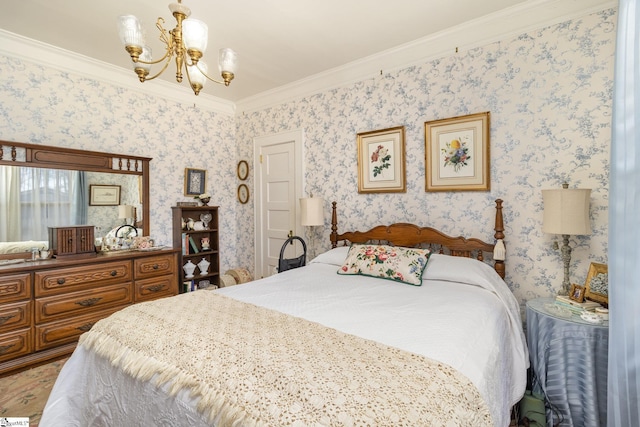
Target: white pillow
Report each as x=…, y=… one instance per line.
x=334, y=256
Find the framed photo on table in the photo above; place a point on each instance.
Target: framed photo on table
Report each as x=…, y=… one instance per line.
x=576, y=293
x=381, y=162
x=104, y=195
x=195, y=181
x=457, y=153
x=597, y=283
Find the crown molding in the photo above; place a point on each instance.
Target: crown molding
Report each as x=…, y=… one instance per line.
x=505, y=24
x=14, y=45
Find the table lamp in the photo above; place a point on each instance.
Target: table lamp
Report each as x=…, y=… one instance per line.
x=311, y=214
x=125, y=212
x=566, y=212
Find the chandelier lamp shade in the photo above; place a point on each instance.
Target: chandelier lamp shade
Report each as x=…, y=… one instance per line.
x=186, y=43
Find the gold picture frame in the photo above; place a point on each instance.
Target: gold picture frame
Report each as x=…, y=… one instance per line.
x=457, y=153
x=597, y=284
x=243, y=193
x=195, y=181
x=576, y=293
x=242, y=170
x=381, y=161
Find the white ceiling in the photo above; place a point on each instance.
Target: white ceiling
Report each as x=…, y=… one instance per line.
x=278, y=41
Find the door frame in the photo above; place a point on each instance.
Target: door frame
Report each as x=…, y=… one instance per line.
x=297, y=136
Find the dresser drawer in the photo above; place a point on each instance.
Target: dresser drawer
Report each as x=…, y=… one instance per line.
x=15, y=344
x=61, y=332
x=15, y=287
x=77, y=303
x=15, y=315
x=157, y=287
x=154, y=266
x=63, y=280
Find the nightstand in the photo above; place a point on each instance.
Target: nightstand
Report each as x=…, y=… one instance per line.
x=569, y=358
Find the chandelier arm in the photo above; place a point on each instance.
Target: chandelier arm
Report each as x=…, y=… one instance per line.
x=164, y=67
x=168, y=54
x=208, y=78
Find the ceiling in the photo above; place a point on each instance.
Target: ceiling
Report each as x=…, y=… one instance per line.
x=278, y=41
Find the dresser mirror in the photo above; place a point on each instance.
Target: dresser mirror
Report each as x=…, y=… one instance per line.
x=43, y=179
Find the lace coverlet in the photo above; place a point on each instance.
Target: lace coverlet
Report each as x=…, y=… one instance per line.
x=253, y=366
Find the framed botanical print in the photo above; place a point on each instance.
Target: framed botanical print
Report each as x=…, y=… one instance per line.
x=457, y=153
x=381, y=162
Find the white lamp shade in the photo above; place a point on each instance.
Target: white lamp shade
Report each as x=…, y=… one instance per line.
x=125, y=211
x=195, y=34
x=311, y=211
x=228, y=60
x=130, y=31
x=146, y=56
x=195, y=73
x=566, y=211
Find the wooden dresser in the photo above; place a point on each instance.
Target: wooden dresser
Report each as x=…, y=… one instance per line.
x=46, y=305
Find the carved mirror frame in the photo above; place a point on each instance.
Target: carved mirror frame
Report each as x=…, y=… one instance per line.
x=43, y=156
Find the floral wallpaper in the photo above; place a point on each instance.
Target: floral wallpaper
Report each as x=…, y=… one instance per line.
x=549, y=92
x=45, y=106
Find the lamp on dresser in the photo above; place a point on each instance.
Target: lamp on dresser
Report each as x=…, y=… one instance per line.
x=566, y=212
x=125, y=212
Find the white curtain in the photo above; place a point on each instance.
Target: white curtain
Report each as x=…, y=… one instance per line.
x=624, y=225
x=10, y=224
x=34, y=199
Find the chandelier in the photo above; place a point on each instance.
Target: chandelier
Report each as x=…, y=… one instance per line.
x=187, y=42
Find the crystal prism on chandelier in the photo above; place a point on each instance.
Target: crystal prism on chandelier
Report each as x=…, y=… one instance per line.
x=186, y=42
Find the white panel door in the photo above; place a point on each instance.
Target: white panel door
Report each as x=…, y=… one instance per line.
x=277, y=192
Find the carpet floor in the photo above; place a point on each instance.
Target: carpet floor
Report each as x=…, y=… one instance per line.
x=25, y=394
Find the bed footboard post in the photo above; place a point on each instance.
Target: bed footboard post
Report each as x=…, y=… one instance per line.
x=334, y=226
x=499, y=236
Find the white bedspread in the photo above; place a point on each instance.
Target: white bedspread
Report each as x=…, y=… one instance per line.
x=474, y=326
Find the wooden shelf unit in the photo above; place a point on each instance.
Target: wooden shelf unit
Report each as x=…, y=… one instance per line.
x=186, y=252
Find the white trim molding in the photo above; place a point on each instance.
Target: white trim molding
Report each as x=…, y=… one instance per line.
x=14, y=45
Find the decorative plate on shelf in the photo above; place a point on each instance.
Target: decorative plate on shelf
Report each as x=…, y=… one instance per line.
x=558, y=311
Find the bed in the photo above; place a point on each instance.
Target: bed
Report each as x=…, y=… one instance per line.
x=312, y=347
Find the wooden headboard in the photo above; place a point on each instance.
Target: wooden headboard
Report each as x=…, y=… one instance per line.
x=410, y=235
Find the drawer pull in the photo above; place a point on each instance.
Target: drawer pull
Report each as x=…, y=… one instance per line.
x=86, y=327
x=113, y=273
x=89, y=302
x=4, y=319
x=156, y=288
x=61, y=281
x=156, y=266
x=5, y=348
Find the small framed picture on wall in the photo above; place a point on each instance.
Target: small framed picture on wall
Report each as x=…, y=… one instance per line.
x=195, y=181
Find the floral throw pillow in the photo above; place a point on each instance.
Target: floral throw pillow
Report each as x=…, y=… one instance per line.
x=388, y=262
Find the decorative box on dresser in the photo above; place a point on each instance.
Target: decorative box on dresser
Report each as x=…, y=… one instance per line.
x=188, y=241
x=46, y=305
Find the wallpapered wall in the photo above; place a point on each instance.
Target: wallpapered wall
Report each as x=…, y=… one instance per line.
x=47, y=106
x=549, y=94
